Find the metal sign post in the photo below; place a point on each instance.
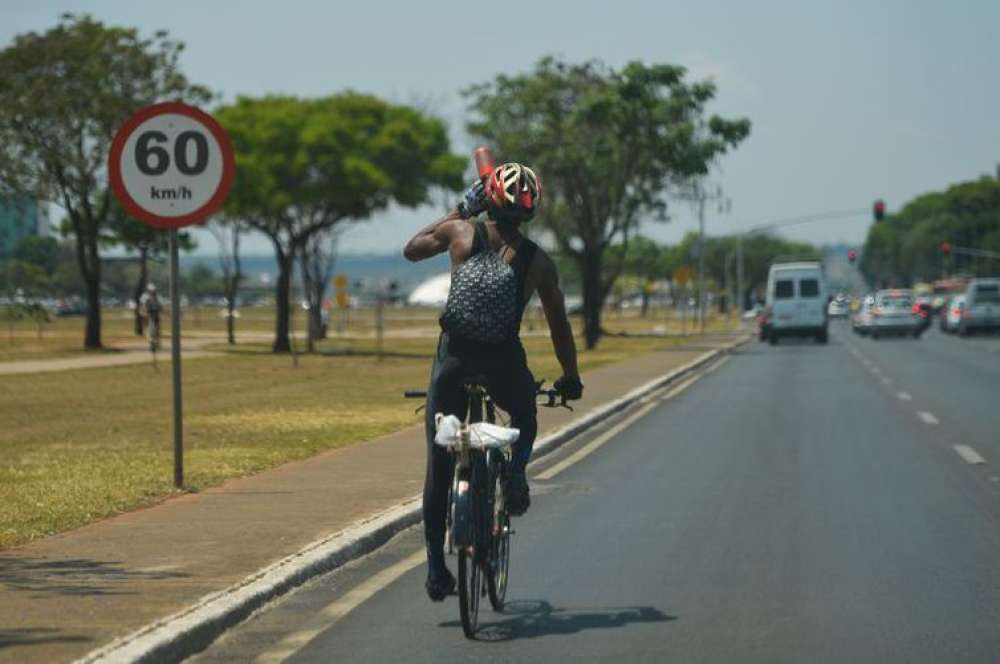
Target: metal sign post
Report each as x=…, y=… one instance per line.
x=171, y=165
x=175, y=360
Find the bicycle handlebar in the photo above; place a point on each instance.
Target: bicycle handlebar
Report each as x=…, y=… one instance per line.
x=554, y=398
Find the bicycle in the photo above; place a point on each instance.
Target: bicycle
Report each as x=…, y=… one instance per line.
x=477, y=520
x=153, y=334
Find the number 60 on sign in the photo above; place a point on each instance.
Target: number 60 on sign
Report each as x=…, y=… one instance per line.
x=171, y=165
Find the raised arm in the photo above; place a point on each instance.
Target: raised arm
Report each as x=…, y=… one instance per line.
x=434, y=238
x=554, y=305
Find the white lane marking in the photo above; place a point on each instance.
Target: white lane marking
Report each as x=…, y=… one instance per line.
x=903, y=396
x=886, y=380
x=595, y=444
x=722, y=360
x=968, y=454
x=876, y=370
x=336, y=610
x=928, y=418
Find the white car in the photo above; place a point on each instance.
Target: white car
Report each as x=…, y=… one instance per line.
x=982, y=306
x=837, y=309
x=894, y=314
x=796, y=301
x=862, y=321
x=951, y=313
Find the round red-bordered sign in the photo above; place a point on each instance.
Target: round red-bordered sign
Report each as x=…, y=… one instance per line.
x=150, y=167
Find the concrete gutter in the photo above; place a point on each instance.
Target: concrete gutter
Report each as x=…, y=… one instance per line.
x=189, y=631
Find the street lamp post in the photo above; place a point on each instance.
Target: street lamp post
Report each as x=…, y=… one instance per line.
x=785, y=223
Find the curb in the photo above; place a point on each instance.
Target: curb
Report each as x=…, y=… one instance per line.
x=187, y=632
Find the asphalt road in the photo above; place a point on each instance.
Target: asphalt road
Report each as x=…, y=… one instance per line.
x=790, y=506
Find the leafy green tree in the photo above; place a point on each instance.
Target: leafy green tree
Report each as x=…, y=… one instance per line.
x=20, y=280
x=40, y=251
x=608, y=144
x=63, y=95
x=905, y=247
x=307, y=166
x=202, y=282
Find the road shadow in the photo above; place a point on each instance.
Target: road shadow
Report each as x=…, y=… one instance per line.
x=33, y=636
x=74, y=577
x=350, y=352
x=529, y=619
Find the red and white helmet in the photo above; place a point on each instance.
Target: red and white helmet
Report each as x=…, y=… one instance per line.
x=512, y=192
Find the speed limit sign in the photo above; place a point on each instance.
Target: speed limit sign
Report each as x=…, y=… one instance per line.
x=171, y=165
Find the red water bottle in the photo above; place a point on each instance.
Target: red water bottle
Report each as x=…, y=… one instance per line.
x=485, y=163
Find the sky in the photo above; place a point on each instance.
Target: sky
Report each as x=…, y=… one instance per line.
x=850, y=101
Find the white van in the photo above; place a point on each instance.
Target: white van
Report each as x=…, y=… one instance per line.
x=796, y=301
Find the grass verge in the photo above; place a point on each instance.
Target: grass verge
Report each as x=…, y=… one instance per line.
x=78, y=446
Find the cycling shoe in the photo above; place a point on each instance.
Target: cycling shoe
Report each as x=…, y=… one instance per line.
x=440, y=586
x=516, y=494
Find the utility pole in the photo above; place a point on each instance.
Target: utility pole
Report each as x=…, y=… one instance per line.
x=784, y=223
x=701, y=259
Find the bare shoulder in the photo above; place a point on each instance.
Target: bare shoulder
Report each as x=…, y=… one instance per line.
x=454, y=229
x=543, y=270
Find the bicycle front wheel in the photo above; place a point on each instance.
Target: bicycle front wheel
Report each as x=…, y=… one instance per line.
x=470, y=589
x=499, y=563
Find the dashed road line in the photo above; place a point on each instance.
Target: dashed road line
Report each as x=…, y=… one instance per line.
x=928, y=418
x=595, y=444
x=968, y=454
x=886, y=380
x=903, y=396
x=333, y=612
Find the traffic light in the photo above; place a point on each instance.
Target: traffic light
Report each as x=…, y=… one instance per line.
x=945, y=248
x=852, y=255
x=878, y=210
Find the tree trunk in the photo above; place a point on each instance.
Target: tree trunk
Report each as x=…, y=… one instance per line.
x=90, y=269
x=92, y=338
x=139, y=288
x=593, y=296
x=230, y=323
x=282, y=298
x=315, y=322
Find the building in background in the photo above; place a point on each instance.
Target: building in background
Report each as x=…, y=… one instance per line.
x=19, y=218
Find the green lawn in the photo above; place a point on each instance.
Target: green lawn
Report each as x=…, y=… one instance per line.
x=81, y=445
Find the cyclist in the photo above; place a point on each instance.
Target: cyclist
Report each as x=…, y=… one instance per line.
x=509, y=197
x=151, y=308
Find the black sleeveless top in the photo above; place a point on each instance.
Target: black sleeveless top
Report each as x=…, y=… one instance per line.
x=522, y=259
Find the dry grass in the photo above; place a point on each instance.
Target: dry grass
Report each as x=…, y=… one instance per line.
x=81, y=445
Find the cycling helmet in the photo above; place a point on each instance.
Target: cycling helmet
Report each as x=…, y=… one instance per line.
x=512, y=192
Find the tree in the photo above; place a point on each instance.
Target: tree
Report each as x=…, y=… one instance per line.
x=40, y=251
x=227, y=233
x=20, y=279
x=63, y=95
x=307, y=166
x=905, y=247
x=21, y=282
x=316, y=262
x=607, y=144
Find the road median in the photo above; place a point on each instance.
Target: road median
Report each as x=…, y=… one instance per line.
x=205, y=562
